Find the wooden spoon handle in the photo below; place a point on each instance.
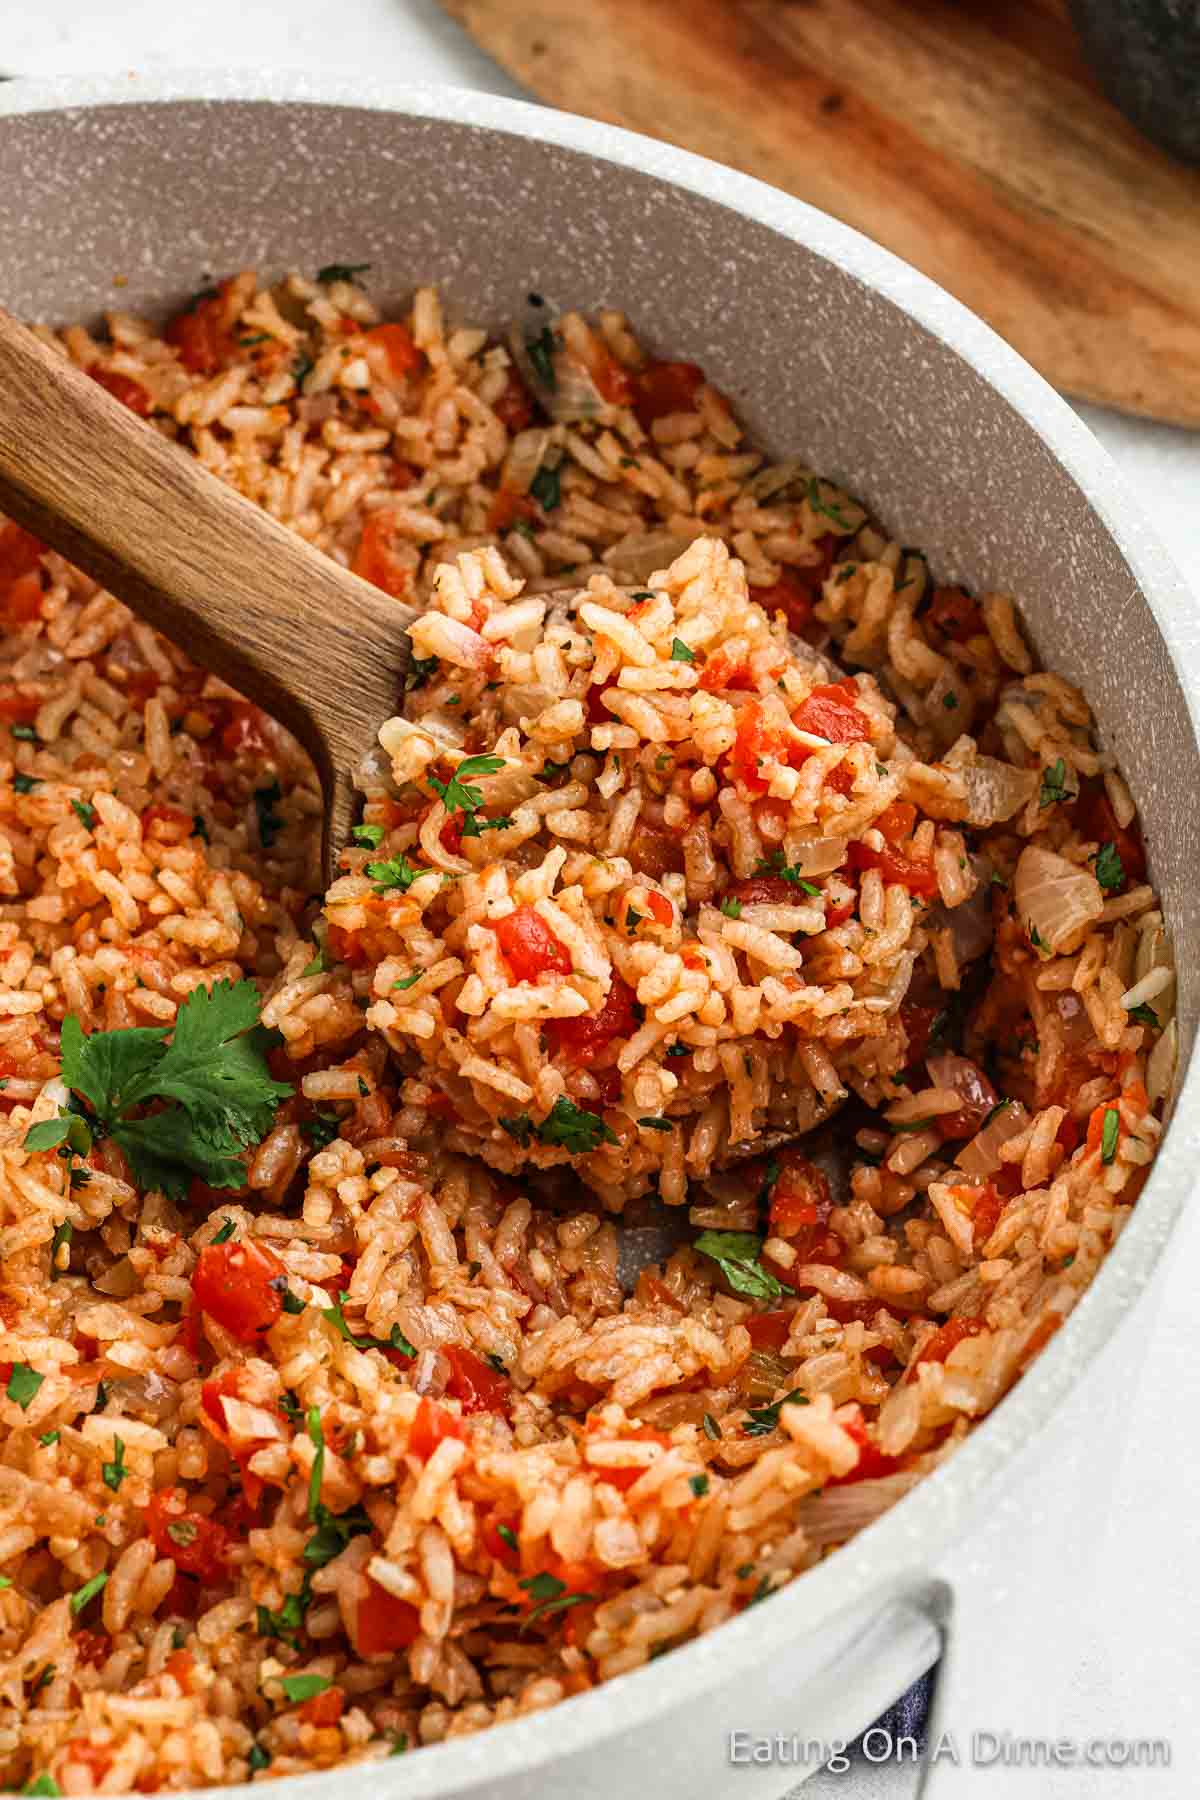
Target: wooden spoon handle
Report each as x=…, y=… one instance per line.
x=323, y=651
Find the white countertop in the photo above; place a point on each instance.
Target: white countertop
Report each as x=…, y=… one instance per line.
x=1139, y=1635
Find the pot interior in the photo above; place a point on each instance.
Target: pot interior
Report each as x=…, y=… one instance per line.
x=137, y=206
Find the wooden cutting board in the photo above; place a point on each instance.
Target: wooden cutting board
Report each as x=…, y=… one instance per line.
x=970, y=138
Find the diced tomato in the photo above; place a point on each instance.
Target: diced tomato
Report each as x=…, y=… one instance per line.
x=474, y=1383
x=660, y=908
x=203, y=334
x=625, y=1478
x=431, y=1425
x=508, y=507
x=325, y=1708
x=952, y=611
x=230, y=1384
x=375, y=560
x=498, y=1547
x=662, y=388
x=830, y=712
x=529, y=946
x=1068, y=1134
x=581, y=1040
x=514, y=408
x=897, y=822
x=23, y=602
x=985, y=1217
x=20, y=552
x=19, y=709
x=723, y=672
x=946, y=1338
x=124, y=388
x=396, y=341
x=240, y=1285
x=800, y=1203
x=894, y=866
x=838, y=911
x=1095, y=819
x=181, y=1665
x=871, y=1460
x=383, y=1624
x=917, y=1021
x=798, y=590
x=769, y=1330
x=91, y=1647
x=95, y=1758
x=198, y=1545
x=244, y=732
x=608, y=1083
x=179, y=823
x=841, y=779
x=756, y=740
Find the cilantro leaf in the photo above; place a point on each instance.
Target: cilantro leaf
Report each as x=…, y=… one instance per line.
x=318, y=965
x=1108, y=1137
x=540, y=350
x=551, y=1595
x=1054, y=784
x=342, y=272
x=269, y=822
x=396, y=872
x=1144, y=1015
x=737, y=1254
x=711, y=1428
x=763, y=1419
x=731, y=908
x=85, y=812
x=1110, y=870
x=334, y=1531
x=420, y=670
x=546, y=488
x=820, y=505
x=24, y=1383
x=578, y=1131
x=88, y=1591
x=519, y=1127
x=456, y=794
x=114, y=1472
x=303, y=1687
x=681, y=652
x=369, y=836
x=775, y=865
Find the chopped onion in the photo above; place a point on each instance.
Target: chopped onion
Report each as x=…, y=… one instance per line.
x=763, y=1374
x=816, y=856
x=431, y=1372
x=638, y=558
x=982, y=1155
x=572, y=396
x=246, y=1421
x=995, y=790
x=524, y=459
x=1055, y=899
x=970, y=924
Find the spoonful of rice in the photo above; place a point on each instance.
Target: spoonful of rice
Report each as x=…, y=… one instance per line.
x=323, y=651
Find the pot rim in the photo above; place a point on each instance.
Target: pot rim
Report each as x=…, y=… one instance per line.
x=914, y=1535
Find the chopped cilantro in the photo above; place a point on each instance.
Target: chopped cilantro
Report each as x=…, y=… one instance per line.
x=42, y=1784
x=321, y=1129
x=731, y=908
x=395, y=1339
x=551, y=1595
x=1144, y=1015
x=507, y=1535
x=114, y=1472
x=950, y=702
x=656, y=1124
x=680, y=652
x=319, y=964
x=334, y=1531
x=257, y=1759
x=519, y=1127
x=578, y=1131
x=63, y=1235
x=822, y=506
x=85, y=812
x=200, y=828
x=316, y=1435
x=88, y=1591
x=23, y=1384
x=775, y=865
x=399, y=1744
x=292, y=1303
x=1054, y=784
x=302, y=368
x=49, y=1437
x=25, y=733
x=698, y=1485
x=546, y=488
x=1110, y=870
x=711, y=1429
x=226, y=1232
x=420, y=670
x=456, y=794
x=763, y=1419
x=24, y=784
x=369, y=836
x=303, y=1687
x=540, y=350
x=396, y=872
x=409, y=980
x=737, y=1255
x=1110, y=1134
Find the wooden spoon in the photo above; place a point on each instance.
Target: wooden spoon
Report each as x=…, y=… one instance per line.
x=321, y=650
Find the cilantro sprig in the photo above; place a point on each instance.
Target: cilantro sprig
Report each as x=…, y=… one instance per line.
x=737, y=1254
x=785, y=871
x=566, y=1126
x=213, y=1092
x=457, y=794
x=761, y=1420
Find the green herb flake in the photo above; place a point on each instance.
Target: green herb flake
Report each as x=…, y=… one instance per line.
x=761, y=1420
x=1110, y=870
x=24, y=784
x=456, y=794
x=551, y=1596
x=399, y=1744
x=321, y=1129
x=420, y=670
x=88, y=1591
x=200, y=829
x=369, y=836
x=680, y=652
x=822, y=506
x=23, y=1384
x=731, y=908
x=25, y=734
x=342, y=272
x=257, y=1760
x=737, y=1255
x=409, y=980
x=1144, y=1015
x=1054, y=784
x=507, y=1535
x=114, y=1472
x=950, y=702
x=319, y=964
x=292, y=1303
x=303, y=1687
x=519, y=1127
x=397, y=872
x=62, y=1238
x=575, y=1130
x=656, y=1124
x=540, y=351
x=699, y=1485
x=1110, y=1134
x=85, y=812
x=49, y=1437
x=546, y=488
x=42, y=1784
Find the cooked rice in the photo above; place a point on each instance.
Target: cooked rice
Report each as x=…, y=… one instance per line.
x=613, y=589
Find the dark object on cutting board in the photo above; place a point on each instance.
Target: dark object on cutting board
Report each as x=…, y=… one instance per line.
x=1146, y=56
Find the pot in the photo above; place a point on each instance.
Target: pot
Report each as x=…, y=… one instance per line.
x=823, y=341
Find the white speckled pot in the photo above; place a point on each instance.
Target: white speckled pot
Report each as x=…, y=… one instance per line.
x=829, y=345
